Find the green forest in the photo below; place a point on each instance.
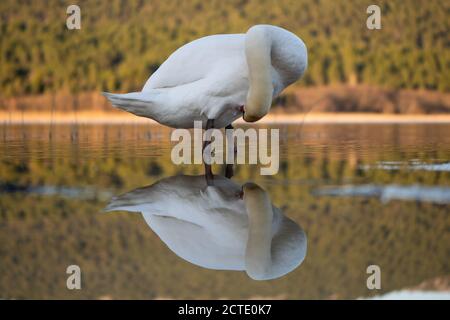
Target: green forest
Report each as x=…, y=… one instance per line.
x=121, y=42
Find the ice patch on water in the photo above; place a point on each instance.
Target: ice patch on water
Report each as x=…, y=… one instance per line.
x=413, y=295
x=411, y=165
x=386, y=193
x=87, y=193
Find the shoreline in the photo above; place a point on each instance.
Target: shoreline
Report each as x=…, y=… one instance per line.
x=99, y=117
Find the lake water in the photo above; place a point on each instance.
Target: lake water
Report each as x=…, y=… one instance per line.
x=363, y=195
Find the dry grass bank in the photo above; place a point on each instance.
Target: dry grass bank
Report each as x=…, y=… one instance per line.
x=96, y=117
x=362, y=98
x=341, y=103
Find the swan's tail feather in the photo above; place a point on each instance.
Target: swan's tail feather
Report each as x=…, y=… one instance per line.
x=116, y=206
x=134, y=102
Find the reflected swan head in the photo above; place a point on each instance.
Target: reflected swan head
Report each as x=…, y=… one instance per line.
x=224, y=226
x=269, y=255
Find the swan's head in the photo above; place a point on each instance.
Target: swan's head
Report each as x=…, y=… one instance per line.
x=275, y=58
x=276, y=245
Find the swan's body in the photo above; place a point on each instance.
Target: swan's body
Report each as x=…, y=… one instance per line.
x=212, y=227
x=218, y=77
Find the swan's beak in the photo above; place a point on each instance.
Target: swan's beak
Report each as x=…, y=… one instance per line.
x=240, y=194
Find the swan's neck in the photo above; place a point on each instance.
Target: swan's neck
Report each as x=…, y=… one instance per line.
x=258, y=51
x=258, y=259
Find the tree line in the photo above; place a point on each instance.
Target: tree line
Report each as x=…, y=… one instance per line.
x=121, y=43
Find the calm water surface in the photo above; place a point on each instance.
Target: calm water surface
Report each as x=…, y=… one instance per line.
x=362, y=194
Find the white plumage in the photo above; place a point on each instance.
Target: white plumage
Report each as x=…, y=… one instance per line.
x=212, y=227
x=218, y=77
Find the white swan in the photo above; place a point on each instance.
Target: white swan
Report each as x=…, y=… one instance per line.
x=216, y=227
x=219, y=78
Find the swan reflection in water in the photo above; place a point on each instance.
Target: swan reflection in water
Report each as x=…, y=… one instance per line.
x=223, y=226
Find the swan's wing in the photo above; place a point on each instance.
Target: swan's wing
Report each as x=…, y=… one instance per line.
x=197, y=60
x=196, y=244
